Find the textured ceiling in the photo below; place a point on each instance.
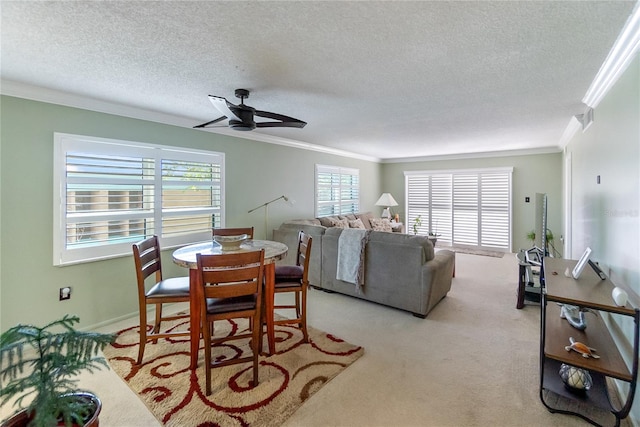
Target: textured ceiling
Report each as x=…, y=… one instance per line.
x=383, y=79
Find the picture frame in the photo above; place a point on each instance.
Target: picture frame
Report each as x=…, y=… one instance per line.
x=582, y=262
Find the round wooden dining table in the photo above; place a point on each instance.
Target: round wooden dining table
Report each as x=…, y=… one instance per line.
x=186, y=257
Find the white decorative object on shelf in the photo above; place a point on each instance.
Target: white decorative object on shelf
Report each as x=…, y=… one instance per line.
x=584, y=259
x=620, y=297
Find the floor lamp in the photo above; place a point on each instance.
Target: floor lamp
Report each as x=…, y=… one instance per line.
x=266, y=210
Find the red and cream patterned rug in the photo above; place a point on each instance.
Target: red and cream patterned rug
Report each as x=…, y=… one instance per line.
x=176, y=395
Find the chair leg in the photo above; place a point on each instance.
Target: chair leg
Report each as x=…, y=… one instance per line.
x=303, y=315
x=297, y=294
x=143, y=333
x=256, y=341
x=156, y=325
x=206, y=335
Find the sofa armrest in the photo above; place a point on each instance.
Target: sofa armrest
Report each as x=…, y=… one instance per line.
x=438, y=275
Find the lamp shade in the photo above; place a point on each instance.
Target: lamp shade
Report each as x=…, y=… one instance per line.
x=386, y=200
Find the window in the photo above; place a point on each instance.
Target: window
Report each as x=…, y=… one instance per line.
x=468, y=208
x=337, y=191
x=109, y=194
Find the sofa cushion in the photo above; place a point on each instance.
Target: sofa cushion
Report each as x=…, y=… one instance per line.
x=339, y=223
x=364, y=217
x=380, y=224
x=356, y=223
x=406, y=239
x=326, y=220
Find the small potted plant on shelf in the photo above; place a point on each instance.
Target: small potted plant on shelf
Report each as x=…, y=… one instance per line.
x=41, y=363
x=417, y=223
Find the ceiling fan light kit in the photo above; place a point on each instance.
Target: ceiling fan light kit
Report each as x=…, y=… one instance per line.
x=241, y=116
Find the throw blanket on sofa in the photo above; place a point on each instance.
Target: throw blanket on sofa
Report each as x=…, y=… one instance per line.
x=350, y=267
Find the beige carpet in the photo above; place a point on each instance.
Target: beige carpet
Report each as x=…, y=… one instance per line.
x=175, y=394
x=472, y=362
x=473, y=251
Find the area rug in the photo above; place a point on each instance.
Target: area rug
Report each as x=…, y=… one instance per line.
x=176, y=395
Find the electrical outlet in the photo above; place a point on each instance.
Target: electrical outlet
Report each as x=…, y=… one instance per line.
x=65, y=293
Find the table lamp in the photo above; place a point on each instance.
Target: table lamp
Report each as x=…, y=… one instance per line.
x=386, y=200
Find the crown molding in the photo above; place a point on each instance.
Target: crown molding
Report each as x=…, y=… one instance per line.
x=622, y=53
x=479, y=155
x=51, y=96
x=572, y=128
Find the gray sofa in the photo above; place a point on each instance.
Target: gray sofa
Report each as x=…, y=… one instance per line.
x=400, y=270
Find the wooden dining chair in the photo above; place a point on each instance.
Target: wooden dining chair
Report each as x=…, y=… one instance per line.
x=233, y=231
x=231, y=287
x=294, y=278
x=146, y=255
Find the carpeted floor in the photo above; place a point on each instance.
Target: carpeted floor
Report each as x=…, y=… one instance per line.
x=176, y=395
x=474, y=361
x=483, y=252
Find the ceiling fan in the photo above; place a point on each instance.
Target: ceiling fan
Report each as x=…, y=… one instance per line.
x=241, y=116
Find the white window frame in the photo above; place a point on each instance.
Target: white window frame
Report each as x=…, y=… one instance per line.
x=68, y=143
x=337, y=190
x=464, y=211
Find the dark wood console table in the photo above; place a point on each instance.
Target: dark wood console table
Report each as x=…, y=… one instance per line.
x=589, y=292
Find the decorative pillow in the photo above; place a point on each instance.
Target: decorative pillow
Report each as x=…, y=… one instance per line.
x=356, y=223
x=365, y=217
x=380, y=224
x=326, y=220
x=339, y=223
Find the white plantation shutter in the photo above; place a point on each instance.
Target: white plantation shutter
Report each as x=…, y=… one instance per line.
x=465, y=207
x=419, y=204
x=337, y=190
x=441, y=209
x=496, y=210
x=109, y=194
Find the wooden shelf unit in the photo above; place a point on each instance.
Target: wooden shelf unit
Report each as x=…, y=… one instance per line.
x=588, y=291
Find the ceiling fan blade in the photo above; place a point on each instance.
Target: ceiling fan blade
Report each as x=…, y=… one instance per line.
x=224, y=107
x=296, y=124
x=284, y=121
x=204, y=125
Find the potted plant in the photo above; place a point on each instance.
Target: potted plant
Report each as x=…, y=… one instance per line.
x=532, y=236
x=417, y=223
x=41, y=363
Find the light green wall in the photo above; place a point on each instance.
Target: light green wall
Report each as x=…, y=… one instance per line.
x=255, y=173
x=606, y=216
x=540, y=173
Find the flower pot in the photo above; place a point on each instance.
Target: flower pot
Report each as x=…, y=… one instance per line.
x=22, y=419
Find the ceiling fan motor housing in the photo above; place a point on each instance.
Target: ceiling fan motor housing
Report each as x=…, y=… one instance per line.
x=245, y=114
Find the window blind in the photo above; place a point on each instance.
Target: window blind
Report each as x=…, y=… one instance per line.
x=465, y=207
x=109, y=194
x=337, y=190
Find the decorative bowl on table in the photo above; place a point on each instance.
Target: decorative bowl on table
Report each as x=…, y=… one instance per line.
x=230, y=243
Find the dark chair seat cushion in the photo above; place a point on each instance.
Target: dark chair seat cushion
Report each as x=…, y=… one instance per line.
x=224, y=305
x=176, y=286
x=288, y=273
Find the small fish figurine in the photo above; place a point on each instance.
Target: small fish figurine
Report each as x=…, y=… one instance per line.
x=581, y=348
